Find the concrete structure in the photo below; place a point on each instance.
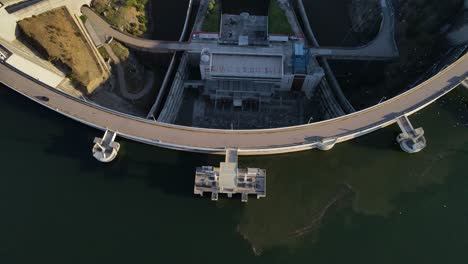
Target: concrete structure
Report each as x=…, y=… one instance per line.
x=35, y=71
x=253, y=85
x=322, y=135
x=328, y=92
x=105, y=149
x=244, y=30
x=465, y=83
x=162, y=91
x=248, y=142
x=326, y=143
x=382, y=47
x=196, y=46
x=243, y=81
x=229, y=179
x=311, y=81
x=344, y=105
x=246, y=66
x=176, y=93
x=411, y=140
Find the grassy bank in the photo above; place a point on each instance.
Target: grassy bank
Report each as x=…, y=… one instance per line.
x=128, y=15
x=55, y=35
x=277, y=21
x=120, y=50
x=213, y=17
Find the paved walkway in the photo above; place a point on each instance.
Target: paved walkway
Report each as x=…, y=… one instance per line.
x=265, y=141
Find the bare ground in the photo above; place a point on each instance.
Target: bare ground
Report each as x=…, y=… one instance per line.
x=55, y=34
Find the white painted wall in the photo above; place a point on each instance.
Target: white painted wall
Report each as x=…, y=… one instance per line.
x=8, y=25
x=35, y=71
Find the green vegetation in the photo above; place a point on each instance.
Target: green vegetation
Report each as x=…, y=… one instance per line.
x=213, y=17
x=83, y=18
x=128, y=15
x=104, y=53
x=277, y=21
x=120, y=50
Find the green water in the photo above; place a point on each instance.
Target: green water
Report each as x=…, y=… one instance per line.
x=59, y=205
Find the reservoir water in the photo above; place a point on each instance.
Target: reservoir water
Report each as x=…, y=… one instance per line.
x=365, y=201
x=58, y=204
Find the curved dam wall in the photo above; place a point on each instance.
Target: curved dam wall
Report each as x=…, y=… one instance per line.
x=248, y=142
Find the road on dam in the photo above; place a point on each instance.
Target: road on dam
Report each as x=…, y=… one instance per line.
x=381, y=48
x=249, y=142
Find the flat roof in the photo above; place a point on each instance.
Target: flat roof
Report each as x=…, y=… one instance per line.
x=246, y=65
x=244, y=29
x=35, y=71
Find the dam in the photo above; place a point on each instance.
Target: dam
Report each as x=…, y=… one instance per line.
x=322, y=135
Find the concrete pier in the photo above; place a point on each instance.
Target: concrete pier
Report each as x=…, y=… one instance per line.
x=326, y=143
x=465, y=83
x=411, y=140
x=229, y=179
x=105, y=149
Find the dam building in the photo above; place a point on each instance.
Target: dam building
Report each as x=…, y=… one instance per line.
x=233, y=78
x=229, y=69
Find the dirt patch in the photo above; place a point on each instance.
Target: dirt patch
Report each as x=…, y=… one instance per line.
x=55, y=34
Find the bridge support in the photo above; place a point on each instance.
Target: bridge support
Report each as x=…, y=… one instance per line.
x=326, y=143
x=465, y=83
x=105, y=149
x=411, y=140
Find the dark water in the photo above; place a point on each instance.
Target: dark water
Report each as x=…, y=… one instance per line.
x=58, y=204
x=257, y=7
x=168, y=18
x=331, y=23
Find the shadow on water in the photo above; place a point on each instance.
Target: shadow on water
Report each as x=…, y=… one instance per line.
x=382, y=139
x=431, y=222
x=168, y=18
x=167, y=170
x=373, y=165
x=257, y=7
x=336, y=30
x=167, y=217
x=456, y=104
